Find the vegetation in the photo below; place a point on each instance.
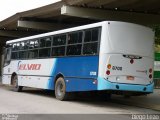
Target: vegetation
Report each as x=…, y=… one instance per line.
x=156, y=28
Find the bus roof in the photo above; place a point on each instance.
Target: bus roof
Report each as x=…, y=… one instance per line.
x=59, y=32
x=64, y=31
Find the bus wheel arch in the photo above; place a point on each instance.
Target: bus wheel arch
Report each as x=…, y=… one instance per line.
x=58, y=76
x=13, y=78
x=14, y=82
x=60, y=88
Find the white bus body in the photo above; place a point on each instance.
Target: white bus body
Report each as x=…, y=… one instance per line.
x=124, y=61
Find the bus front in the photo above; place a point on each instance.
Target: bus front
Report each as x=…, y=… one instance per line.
x=126, y=58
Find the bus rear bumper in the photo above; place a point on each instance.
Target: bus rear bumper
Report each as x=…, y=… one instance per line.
x=104, y=84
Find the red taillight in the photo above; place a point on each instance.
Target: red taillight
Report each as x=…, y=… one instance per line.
x=150, y=76
x=131, y=61
x=150, y=70
x=108, y=72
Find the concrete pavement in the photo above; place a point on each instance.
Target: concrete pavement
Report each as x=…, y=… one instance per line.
x=151, y=101
x=43, y=102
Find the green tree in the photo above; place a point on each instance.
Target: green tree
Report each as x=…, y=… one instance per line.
x=156, y=28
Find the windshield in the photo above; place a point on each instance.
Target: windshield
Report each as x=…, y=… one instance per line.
x=7, y=56
x=132, y=39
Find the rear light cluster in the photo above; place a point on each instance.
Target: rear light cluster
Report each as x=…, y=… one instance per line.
x=108, y=72
x=150, y=73
x=109, y=66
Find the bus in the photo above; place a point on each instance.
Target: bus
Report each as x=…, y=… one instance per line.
x=116, y=57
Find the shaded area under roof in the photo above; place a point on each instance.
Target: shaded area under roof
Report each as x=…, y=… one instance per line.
x=138, y=11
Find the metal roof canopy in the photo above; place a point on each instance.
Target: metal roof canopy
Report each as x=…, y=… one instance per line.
x=70, y=13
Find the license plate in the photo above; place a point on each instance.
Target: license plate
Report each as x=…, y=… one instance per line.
x=130, y=78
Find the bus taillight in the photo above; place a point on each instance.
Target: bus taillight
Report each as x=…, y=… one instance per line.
x=109, y=66
x=131, y=61
x=150, y=76
x=108, y=72
x=150, y=73
x=150, y=70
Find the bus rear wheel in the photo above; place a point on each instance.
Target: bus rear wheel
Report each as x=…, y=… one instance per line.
x=60, y=89
x=14, y=80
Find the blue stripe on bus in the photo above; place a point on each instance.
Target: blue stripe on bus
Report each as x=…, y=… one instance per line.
x=77, y=67
x=106, y=85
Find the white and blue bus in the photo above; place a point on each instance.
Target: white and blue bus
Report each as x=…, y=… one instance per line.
x=106, y=56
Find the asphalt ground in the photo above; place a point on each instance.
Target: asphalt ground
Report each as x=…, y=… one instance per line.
x=41, y=104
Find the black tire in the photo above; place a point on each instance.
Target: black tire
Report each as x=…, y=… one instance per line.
x=60, y=89
x=16, y=87
x=103, y=95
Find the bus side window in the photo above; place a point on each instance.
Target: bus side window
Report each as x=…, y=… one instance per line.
x=42, y=43
x=23, y=54
x=7, y=57
x=26, y=45
x=45, y=42
x=18, y=46
x=90, y=45
x=58, y=51
x=48, y=42
x=87, y=36
x=21, y=46
x=44, y=52
x=14, y=47
x=91, y=35
x=31, y=44
x=33, y=54
x=59, y=40
x=74, y=49
x=95, y=33
x=74, y=38
x=36, y=43
x=90, y=48
x=15, y=55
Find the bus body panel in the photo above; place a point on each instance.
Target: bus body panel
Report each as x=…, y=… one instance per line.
x=80, y=69
x=128, y=38
x=79, y=72
x=121, y=68
x=118, y=39
x=31, y=73
x=121, y=44
x=104, y=84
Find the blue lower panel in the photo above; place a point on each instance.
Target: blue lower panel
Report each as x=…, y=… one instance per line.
x=77, y=67
x=50, y=84
x=75, y=84
x=106, y=85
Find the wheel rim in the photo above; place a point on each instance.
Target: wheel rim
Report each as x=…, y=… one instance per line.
x=60, y=89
